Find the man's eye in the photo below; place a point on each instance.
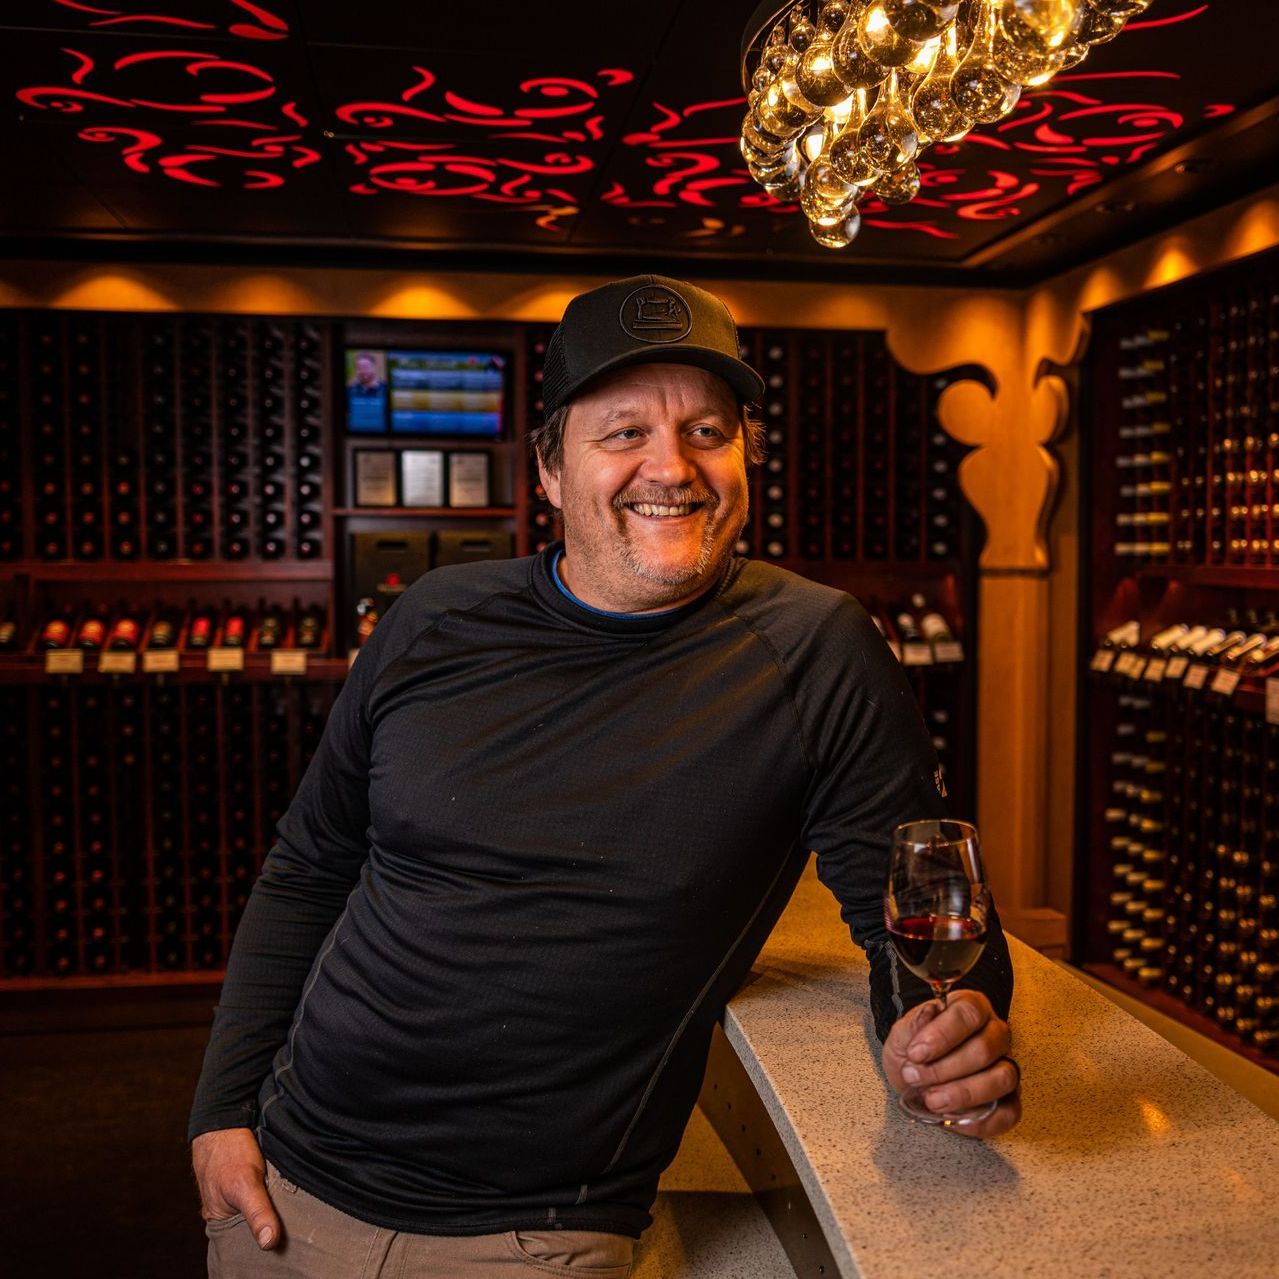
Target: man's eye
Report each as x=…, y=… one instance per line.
x=626, y=433
x=708, y=432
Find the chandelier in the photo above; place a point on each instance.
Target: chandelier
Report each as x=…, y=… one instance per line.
x=843, y=96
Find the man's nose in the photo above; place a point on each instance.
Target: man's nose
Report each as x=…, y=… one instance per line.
x=668, y=461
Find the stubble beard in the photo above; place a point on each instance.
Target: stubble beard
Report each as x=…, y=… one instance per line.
x=708, y=555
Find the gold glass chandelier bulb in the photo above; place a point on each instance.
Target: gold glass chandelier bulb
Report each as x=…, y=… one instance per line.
x=1023, y=65
x=848, y=160
x=1040, y=28
x=833, y=15
x=1120, y=8
x=920, y=19
x=852, y=64
x=817, y=77
x=827, y=198
x=802, y=31
x=813, y=142
x=880, y=42
x=924, y=60
x=1098, y=26
x=932, y=106
x=888, y=135
x=901, y=186
x=841, y=236
x=977, y=87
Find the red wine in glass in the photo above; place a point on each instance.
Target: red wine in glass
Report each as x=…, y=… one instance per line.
x=938, y=949
x=935, y=908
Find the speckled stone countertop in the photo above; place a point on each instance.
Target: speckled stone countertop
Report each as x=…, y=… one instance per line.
x=1130, y=1159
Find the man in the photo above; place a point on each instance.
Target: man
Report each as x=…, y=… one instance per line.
x=557, y=809
x=368, y=379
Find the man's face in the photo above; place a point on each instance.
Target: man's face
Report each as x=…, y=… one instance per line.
x=652, y=487
x=365, y=371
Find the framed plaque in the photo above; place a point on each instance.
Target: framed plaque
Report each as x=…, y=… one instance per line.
x=468, y=479
x=375, y=477
x=422, y=477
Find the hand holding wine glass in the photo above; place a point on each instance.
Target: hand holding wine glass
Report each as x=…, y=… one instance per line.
x=936, y=905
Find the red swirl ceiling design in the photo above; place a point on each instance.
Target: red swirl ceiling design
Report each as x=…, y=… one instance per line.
x=237, y=108
x=240, y=19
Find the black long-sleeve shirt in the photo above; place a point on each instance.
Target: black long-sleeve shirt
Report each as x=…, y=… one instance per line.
x=535, y=854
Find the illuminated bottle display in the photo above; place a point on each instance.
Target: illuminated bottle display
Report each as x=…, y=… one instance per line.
x=1182, y=844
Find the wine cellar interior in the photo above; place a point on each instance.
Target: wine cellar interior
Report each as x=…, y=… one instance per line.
x=196, y=554
x=277, y=290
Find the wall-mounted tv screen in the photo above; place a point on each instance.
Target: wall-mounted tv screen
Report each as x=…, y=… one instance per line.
x=446, y=392
x=443, y=393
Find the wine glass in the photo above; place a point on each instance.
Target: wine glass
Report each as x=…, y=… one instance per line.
x=935, y=908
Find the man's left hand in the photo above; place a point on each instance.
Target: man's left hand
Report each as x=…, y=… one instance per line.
x=960, y=1058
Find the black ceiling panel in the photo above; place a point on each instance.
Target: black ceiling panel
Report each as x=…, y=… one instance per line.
x=510, y=127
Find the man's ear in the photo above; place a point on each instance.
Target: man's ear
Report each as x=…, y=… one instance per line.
x=550, y=482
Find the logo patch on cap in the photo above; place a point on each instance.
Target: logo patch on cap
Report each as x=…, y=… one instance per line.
x=655, y=314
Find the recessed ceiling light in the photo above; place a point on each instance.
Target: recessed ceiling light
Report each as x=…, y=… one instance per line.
x=1194, y=166
x=1116, y=206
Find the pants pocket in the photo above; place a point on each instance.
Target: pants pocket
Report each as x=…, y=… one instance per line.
x=222, y=1224
x=588, y=1254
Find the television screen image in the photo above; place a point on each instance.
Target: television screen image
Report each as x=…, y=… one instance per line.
x=447, y=392
x=366, y=391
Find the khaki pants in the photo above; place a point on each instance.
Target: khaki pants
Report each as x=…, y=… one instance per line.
x=322, y=1243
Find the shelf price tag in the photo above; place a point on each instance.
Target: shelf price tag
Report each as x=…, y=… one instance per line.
x=1155, y=669
x=117, y=663
x=948, y=651
x=226, y=659
x=1176, y=667
x=64, y=661
x=916, y=654
x=1272, y=701
x=1225, y=682
x=1196, y=677
x=1103, y=659
x=288, y=661
x=160, y=661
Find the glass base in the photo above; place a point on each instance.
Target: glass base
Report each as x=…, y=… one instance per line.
x=911, y=1102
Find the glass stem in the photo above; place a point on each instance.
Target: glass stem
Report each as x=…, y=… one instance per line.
x=940, y=992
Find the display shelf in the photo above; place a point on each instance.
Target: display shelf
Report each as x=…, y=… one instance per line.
x=1226, y=576
x=1175, y=1009
x=171, y=571
x=429, y=512
x=1177, y=861
x=27, y=668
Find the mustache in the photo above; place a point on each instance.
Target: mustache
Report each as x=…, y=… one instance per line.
x=667, y=497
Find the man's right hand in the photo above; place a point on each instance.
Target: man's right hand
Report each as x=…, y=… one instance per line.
x=231, y=1174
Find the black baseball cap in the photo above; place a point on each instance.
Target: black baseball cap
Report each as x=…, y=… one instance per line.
x=647, y=319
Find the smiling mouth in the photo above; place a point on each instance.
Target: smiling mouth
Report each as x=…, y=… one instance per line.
x=655, y=510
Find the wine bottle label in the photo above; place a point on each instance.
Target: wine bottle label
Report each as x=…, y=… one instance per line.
x=1196, y=677
x=162, y=661
x=1155, y=669
x=1272, y=701
x=288, y=661
x=64, y=661
x=225, y=659
x=1225, y=682
x=1102, y=660
x=118, y=663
